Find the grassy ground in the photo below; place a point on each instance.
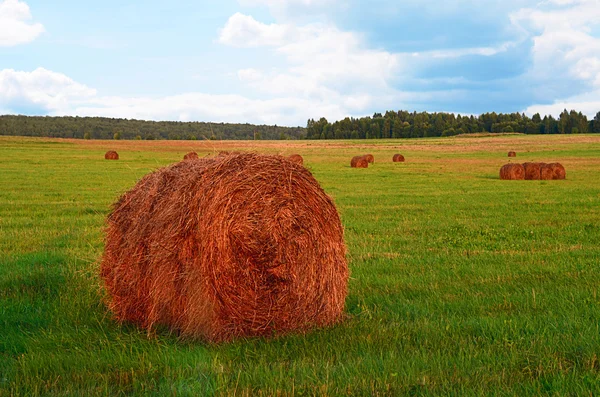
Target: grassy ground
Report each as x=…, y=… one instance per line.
x=461, y=283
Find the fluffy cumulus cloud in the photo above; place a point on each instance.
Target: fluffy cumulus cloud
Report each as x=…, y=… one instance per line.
x=565, y=54
x=40, y=91
x=15, y=24
x=45, y=92
x=323, y=63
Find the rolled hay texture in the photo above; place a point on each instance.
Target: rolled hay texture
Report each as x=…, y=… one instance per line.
x=512, y=171
x=190, y=156
x=533, y=171
x=512, y=154
x=296, y=158
x=398, y=158
x=370, y=158
x=359, y=162
x=226, y=247
x=546, y=172
x=111, y=155
x=558, y=171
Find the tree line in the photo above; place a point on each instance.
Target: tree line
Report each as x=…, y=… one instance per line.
x=393, y=124
x=403, y=124
x=110, y=128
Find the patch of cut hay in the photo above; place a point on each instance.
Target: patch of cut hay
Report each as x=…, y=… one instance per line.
x=224, y=247
x=111, y=155
x=296, y=158
x=512, y=171
x=533, y=171
x=398, y=158
x=558, y=171
x=359, y=162
x=190, y=156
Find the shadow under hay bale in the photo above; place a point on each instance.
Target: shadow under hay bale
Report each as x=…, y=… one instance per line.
x=370, y=158
x=512, y=154
x=532, y=171
x=512, y=171
x=359, y=162
x=398, y=158
x=296, y=158
x=190, y=156
x=226, y=247
x=111, y=155
x=558, y=171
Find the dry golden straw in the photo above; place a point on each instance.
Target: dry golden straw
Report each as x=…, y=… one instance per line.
x=111, y=155
x=190, y=156
x=225, y=247
x=359, y=162
x=512, y=171
x=398, y=158
x=296, y=158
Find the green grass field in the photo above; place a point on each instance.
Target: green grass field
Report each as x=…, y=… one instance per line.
x=460, y=284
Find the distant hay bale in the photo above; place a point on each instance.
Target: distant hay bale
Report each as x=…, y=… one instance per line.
x=546, y=172
x=558, y=171
x=370, y=158
x=512, y=154
x=190, y=156
x=296, y=158
x=398, y=158
x=532, y=171
x=225, y=247
x=359, y=162
x=512, y=171
x=111, y=155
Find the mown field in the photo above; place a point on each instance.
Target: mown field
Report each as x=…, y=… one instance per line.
x=460, y=283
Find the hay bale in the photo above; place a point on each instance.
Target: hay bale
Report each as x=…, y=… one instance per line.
x=512, y=171
x=532, y=171
x=512, y=154
x=226, y=247
x=190, y=156
x=359, y=162
x=111, y=155
x=370, y=158
x=558, y=171
x=546, y=172
x=296, y=158
x=398, y=158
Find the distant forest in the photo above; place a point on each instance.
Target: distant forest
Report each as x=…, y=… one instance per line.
x=109, y=128
x=400, y=124
x=403, y=124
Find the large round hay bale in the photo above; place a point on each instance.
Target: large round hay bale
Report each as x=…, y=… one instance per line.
x=546, y=172
x=111, y=155
x=398, y=158
x=558, y=171
x=225, y=247
x=512, y=171
x=190, y=156
x=359, y=162
x=512, y=154
x=532, y=170
x=370, y=158
x=296, y=158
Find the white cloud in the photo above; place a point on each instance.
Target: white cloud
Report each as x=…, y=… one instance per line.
x=565, y=53
x=324, y=63
x=45, y=92
x=15, y=25
x=41, y=89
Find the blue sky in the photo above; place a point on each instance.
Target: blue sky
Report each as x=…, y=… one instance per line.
x=284, y=61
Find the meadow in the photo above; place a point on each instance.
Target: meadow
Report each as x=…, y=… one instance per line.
x=461, y=284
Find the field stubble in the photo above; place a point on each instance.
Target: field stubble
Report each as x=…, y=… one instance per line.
x=460, y=283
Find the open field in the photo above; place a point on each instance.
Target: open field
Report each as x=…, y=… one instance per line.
x=460, y=283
